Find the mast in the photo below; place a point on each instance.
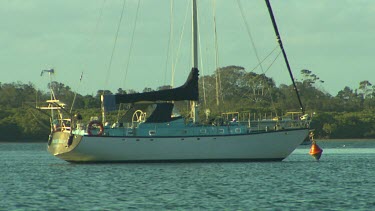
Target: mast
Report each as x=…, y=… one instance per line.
x=193, y=104
x=284, y=54
x=195, y=35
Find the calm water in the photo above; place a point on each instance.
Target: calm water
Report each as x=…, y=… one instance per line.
x=344, y=179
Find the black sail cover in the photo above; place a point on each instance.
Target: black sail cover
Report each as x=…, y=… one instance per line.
x=188, y=91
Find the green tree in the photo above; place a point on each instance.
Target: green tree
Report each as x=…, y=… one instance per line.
x=349, y=100
x=365, y=88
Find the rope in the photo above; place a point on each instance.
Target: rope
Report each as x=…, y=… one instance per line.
x=98, y=20
x=256, y=66
x=114, y=44
x=75, y=94
x=249, y=33
x=272, y=101
x=179, y=45
x=131, y=44
x=256, y=52
x=277, y=56
x=170, y=43
x=218, y=80
x=201, y=61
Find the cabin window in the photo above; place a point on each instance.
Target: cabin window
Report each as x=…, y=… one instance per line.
x=152, y=132
x=237, y=130
x=221, y=131
x=203, y=131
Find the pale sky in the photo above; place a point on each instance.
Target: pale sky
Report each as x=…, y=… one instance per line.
x=332, y=38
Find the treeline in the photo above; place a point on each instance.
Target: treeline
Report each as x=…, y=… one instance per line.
x=349, y=114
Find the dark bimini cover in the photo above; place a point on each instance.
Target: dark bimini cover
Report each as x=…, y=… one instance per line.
x=162, y=113
x=188, y=91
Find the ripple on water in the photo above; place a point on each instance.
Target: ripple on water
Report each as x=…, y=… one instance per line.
x=34, y=180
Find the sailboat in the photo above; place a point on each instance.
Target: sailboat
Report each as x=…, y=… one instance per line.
x=161, y=136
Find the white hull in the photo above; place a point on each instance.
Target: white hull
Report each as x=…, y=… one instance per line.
x=267, y=146
x=163, y=136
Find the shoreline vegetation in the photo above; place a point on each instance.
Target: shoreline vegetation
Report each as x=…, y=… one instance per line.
x=347, y=140
x=31, y=141
x=350, y=114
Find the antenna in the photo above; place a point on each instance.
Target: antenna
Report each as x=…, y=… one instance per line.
x=50, y=72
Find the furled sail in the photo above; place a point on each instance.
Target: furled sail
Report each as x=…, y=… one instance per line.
x=188, y=91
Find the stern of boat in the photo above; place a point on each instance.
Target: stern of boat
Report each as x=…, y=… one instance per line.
x=62, y=142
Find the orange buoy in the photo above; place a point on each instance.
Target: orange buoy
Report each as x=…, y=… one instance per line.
x=315, y=151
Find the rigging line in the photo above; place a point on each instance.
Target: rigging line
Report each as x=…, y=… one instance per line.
x=249, y=33
x=273, y=61
x=97, y=23
x=217, y=73
x=131, y=43
x=40, y=122
x=98, y=20
x=272, y=101
x=256, y=66
x=278, y=37
x=118, y=113
x=255, y=49
x=179, y=45
x=86, y=42
x=75, y=93
x=170, y=43
x=52, y=75
x=201, y=61
x=100, y=16
x=36, y=98
x=114, y=45
x=89, y=40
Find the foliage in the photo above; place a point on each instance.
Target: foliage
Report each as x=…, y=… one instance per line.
x=349, y=114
